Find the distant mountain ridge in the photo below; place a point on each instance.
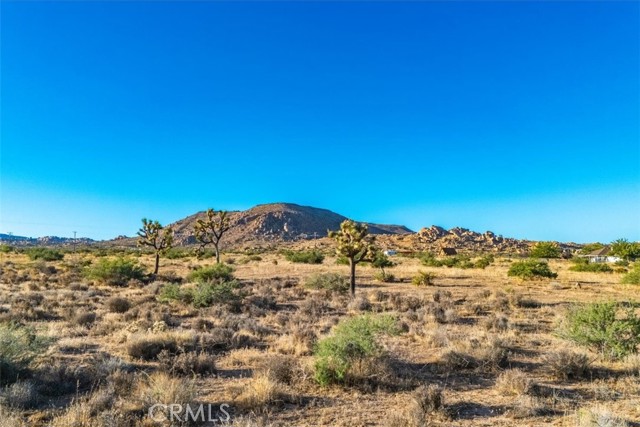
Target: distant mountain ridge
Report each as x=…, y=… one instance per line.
x=44, y=241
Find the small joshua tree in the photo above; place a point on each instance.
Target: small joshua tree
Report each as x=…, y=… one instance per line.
x=354, y=244
x=209, y=231
x=156, y=236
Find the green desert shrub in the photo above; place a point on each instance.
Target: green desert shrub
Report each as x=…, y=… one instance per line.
x=583, y=264
x=304, y=257
x=44, y=254
x=531, y=269
x=213, y=273
x=333, y=282
x=19, y=346
x=178, y=253
x=117, y=271
x=600, y=327
x=545, y=250
x=5, y=249
x=423, y=278
x=632, y=277
x=340, y=357
x=484, y=261
x=203, y=294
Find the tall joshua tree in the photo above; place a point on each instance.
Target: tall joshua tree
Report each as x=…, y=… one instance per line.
x=355, y=244
x=154, y=235
x=209, y=231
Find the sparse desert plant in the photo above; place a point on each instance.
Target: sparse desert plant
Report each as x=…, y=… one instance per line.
x=116, y=272
x=213, y=273
x=148, y=346
x=333, y=282
x=157, y=237
x=187, y=363
x=355, y=244
x=567, y=364
x=514, y=382
x=425, y=400
x=597, y=325
x=304, y=257
x=531, y=269
x=423, y=278
x=340, y=357
x=598, y=417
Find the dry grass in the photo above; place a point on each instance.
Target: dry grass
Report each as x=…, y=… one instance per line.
x=482, y=343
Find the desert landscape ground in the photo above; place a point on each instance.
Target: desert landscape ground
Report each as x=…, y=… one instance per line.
x=449, y=345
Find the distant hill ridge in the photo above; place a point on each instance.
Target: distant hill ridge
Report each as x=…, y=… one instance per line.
x=277, y=222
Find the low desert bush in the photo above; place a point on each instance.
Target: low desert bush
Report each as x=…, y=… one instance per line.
x=203, y=294
x=332, y=282
x=567, y=364
x=632, y=277
x=44, y=254
x=116, y=272
x=531, y=269
x=19, y=346
x=599, y=326
x=583, y=264
x=187, y=363
x=514, y=382
x=304, y=257
x=340, y=357
x=211, y=274
x=118, y=305
x=385, y=277
x=598, y=417
x=149, y=345
x=423, y=278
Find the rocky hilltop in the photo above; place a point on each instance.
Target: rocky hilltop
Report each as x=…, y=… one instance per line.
x=276, y=222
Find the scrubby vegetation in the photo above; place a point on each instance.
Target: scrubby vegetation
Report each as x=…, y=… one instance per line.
x=531, y=269
x=545, y=250
x=44, y=254
x=287, y=342
x=116, y=271
x=583, y=264
x=602, y=327
x=352, y=354
x=304, y=257
x=632, y=277
x=458, y=261
x=328, y=281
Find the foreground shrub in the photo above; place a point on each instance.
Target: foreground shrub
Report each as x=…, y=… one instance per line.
x=531, y=269
x=597, y=326
x=333, y=282
x=44, y=254
x=116, y=272
x=304, y=257
x=212, y=273
x=632, y=277
x=19, y=346
x=341, y=357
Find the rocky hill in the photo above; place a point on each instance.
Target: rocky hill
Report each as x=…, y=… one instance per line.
x=276, y=222
x=434, y=238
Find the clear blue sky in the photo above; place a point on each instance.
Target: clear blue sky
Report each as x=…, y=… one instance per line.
x=520, y=118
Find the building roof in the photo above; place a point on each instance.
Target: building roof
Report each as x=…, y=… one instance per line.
x=600, y=252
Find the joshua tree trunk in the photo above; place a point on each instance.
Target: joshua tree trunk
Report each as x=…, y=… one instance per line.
x=155, y=271
x=352, y=265
x=217, y=253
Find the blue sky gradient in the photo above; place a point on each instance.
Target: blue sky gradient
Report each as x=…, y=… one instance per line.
x=521, y=118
